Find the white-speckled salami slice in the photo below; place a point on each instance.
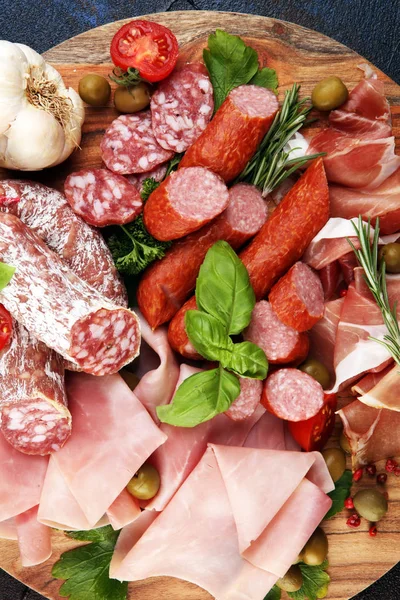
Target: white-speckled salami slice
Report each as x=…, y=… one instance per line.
x=60, y=309
x=182, y=107
x=33, y=400
x=102, y=198
x=129, y=145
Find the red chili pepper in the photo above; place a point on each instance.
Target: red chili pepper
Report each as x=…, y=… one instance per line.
x=349, y=503
x=343, y=293
x=390, y=465
x=381, y=478
x=358, y=474
x=370, y=470
x=373, y=530
x=354, y=521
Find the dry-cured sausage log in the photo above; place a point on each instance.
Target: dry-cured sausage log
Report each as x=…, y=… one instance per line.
x=289, y=230
x=35, y=418
x=102, y=198
x=298, y=298
x=292, y=395
x=235, y=132
x=177, y=336
x=60, y=309
x=129, y=145
x=281, y=343
x=247, y=401
x=181, y=107
x=184, y=202
x=167, y=283
x=83, y=248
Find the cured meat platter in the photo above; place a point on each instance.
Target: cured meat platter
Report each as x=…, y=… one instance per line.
x=298, y=55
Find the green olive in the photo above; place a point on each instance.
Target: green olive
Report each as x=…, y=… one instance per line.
x=292, y=581
x=130, y=378
x=391, y=255
x=132, y=99
x=94, y=90
x=318, y=371
x=145, y=483
x=344, y=443
x=335, y=460
x=316, y=550
x=329, y=94
x=370, y=504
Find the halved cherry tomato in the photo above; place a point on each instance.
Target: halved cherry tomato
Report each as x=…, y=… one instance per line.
x=5, y=327
x=149, y=47
x=315, y=432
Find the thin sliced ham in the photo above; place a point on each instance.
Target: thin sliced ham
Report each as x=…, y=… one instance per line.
x=113, y=436
x=216, y=532
x=34, y=539
x=128, y=537
x=124, y=510
x=8, y=530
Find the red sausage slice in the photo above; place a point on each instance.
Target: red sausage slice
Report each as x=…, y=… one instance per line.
x=129, y=145
x=292, y=395
x=298, y=298
x=177, y=336
x=247, y=401
x=184, y=202
x=181, y=107
x=281, y=344
x=102, y=198
x=233, y=135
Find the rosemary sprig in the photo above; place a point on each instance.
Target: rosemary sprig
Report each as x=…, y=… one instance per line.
x=127, y=78
x=271, y=164
x=375, y=277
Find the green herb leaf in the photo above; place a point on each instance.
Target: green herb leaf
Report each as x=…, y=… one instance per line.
x=128, y=78
x=174, y=163
x=339, y=494
x=315, y=583
x=266, y=78
x=148, y=186
x=200, y=398
x=86, y=568
x=274, y=594
x=133, y=248
x=230, y=63
x=208, y=336
x=223, y=288
x=247, y=360
x=6, y=273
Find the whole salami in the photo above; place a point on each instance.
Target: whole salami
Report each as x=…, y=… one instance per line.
x=129, y=145
x=289, y=230
x=298, y=298
x=33, y=400
x=181, y=107
x=235, y=132
x=102, y=198
x=292, y=395
x=167, y=283
x=83, y=248
x=60, y=309
x=184, y=202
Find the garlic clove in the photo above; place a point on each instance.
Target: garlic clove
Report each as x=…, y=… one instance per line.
x=13, y=70
x=74, y=134
x=35, y=140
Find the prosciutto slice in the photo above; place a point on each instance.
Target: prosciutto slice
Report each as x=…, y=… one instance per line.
x=34, y=539
x=369, y=381
x=331, y=243
x=323, y=335
x=385, y=393
x=216, y=533
x=113, y=436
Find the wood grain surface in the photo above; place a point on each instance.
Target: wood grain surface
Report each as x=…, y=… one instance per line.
x=299, y=55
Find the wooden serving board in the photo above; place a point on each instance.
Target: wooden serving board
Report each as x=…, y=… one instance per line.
x=298, y=55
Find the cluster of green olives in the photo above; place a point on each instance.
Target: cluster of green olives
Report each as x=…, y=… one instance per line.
x=313, y=554
x=96, y=91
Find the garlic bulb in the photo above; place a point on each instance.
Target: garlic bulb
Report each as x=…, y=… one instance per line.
x=40, y=119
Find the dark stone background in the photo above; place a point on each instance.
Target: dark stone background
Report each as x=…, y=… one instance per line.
x=371, y=27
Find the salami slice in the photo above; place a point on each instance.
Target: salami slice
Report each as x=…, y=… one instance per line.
x=102, y=198
x=292, y=395
x=83, y=248
x=281, y=344
x=184, y=202
x=60, y=309
x=181, y=107
x=298, y=298
x=233, y=135
x=167, y=283
x=157, y=174
x=33, y=401
x=247, y=401
x=129, y=145
x=177, y=336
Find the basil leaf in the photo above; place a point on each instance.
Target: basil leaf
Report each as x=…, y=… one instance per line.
x=6, y=273
x=247, y=360
x=200, y=398
x=208, y=336
x=315, y=582
x=274, y=594
x=265, y=78
x=230, y=63
x=340, y=493
x=223, y=288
